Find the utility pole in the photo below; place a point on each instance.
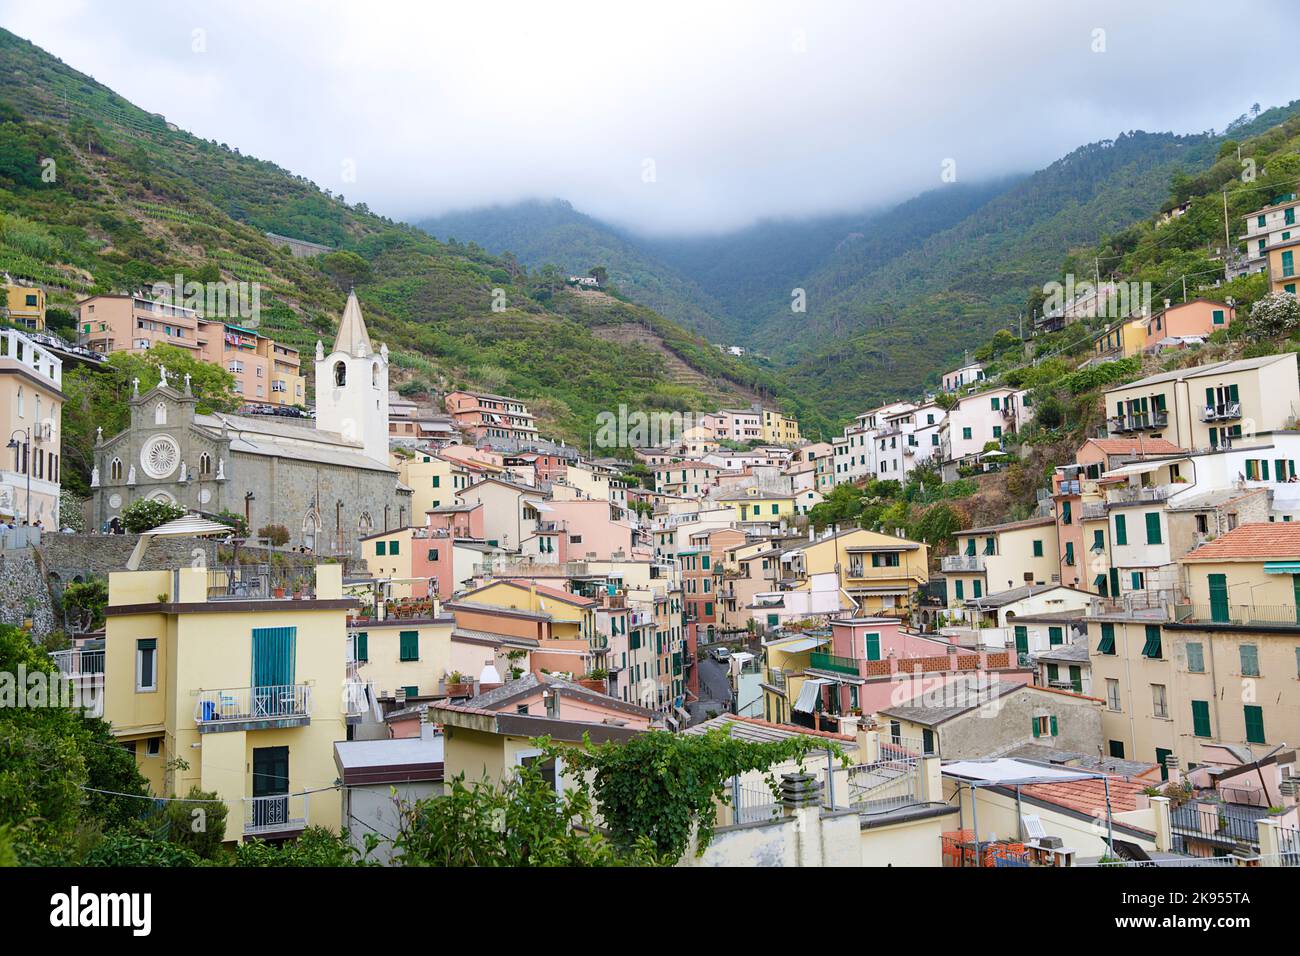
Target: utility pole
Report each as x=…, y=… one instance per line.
x=1184, y=289
x=1227, y=240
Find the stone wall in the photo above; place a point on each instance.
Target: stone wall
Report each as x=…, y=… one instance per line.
x=23, y=592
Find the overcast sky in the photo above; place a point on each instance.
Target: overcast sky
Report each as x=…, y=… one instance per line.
x=669, y=117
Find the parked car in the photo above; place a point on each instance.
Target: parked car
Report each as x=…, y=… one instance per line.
x=721, y=654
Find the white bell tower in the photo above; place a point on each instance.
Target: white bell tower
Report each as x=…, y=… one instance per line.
x=352, y=385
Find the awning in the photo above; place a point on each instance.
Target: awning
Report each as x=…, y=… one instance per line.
x=1141, y=467
x=794, y=645
x=1282, y=567
x=1011, y=772
x=808, y=693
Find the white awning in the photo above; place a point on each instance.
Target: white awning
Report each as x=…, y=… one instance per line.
x=793, y=645
x=1011, y=772
x=808, y=692
x=1141, y=467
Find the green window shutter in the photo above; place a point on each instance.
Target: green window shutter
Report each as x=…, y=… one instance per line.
x=1022, y=639
x=1201, y=718
x=1153, y=528
x=708, y=608
x=1209, y=398
x=1067, y=516
x=1195, y=658
x=960, y=590
x=979, y=587
x=965, y=433
x=1121, y=530
x=409, y=645
x=996, y=404
x=1218, y=597
x=1107, y=643
x=1076, y=678
x=1137, y=581
x=1053, y=673
x=970, y=546
x=1053, y=722
x=873, y=647
x=379, y=548
x=1038, y=549
x=1254, y=715
x=705, y=564
x=773, y=620
x=412, y=690
x=1152, y=647
x=1033, y=725
x=274, y=652
x=363, y=646
x=1249, y=660
x=1218, y=316
x=393, y=547
x=1054, y=637
x=437, y=481
x=997, y=431
x=1069, y=552
x=1099, y=540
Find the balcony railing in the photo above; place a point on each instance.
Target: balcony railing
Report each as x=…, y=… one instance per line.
x=1152, y=493
x=820, y=660
x=1092, y=511
x=257, y=582
x=79, y=663
x=276, y=814
x=963, y=562
x=1138, y=423
x=776, y=677
x=1222, y=412
x=285, y=702
x=1240, y=614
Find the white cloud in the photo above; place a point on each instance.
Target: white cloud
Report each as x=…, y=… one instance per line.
x=747, y=109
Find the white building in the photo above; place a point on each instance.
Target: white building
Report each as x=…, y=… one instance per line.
x=357, y=413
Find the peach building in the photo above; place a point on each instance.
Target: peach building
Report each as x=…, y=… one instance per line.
x=31, y=405
x=482, y=415
x=265, y=371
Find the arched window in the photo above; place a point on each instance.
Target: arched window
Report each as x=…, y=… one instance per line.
x=374, y=374
x=205, y=464
x=115, y=469
x=364, y=524
x=340, y=374
x=160, y=414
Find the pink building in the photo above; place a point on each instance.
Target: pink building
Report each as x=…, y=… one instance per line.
x=482, y=415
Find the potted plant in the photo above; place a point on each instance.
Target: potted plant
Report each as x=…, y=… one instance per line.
x=297, y=588
x=458, y=686
x=278, y=590
x=596, y=679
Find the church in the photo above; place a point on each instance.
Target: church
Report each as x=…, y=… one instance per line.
x=329, y=482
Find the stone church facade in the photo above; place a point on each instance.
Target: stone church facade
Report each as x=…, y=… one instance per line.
x=329, y=488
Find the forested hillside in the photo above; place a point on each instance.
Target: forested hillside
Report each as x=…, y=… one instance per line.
x=127, y=200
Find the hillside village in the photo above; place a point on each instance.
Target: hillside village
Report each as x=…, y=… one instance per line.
x=1046, y=614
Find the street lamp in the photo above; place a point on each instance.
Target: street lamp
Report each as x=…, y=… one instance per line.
x=27, y=462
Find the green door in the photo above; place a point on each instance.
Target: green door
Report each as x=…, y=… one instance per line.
x=270, y=787
x=1076, y=678
x=1218, y=597
x=873, y=647
x=1022, y=639
x=1161, y=754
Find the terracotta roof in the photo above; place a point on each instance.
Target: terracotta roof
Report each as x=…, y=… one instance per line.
x=567, y=596
x=1010, y=525
x=1134, y=446
x=1252, y=542
x=1089, y=796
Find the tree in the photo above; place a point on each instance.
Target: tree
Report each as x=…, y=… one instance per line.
x=84, y=603
x=197, y=823
x=937, y=525
x=276, y=534
x=145, y=514
x=345, y=269
x=1275, y=315
x=599, y=273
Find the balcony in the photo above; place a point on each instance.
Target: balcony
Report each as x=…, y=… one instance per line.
x=962, y=562
x=277, y=815
x=84, y=670
x=1222, y=412
x=1240, y=615
x=776, y=677
x=1122, y=424
x=252, y=708
x=1152, y=493
x=820, y=660
x=1093, y=511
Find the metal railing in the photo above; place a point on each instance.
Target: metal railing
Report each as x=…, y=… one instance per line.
x=253, y=703
x=1240, y=614
x=1213, y=823
x=776, y=677
x=1097, y=510
x=833, y=662
x=1153, y=493
x=79, y=663
x=962, y=562
x=891, y=782
x=753, y=804
x=1137, y=423
x=1222, y=412
x=276, y=813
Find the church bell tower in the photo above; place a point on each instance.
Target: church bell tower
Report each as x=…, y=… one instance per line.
x=352, y=385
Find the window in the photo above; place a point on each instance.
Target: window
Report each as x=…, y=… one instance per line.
x=965, y=433
x=1121, y=530
x=959, y=589
x=411, y=690
x=1044, y=726
x=361, y=646
x=1254, y=715
x=1151, y=649
x=1288, y=263
x=997, y=431
x=1099, y=540
x=1196, y=658
x=409, y=646
x=1138, y=581
x=146, y=664
x=1159, y=703
x=1107, y=643
x=1067, y=514
x=379, y=548
x=1069, y=553
x=1249, y=660
x=1153, y=528
x=1112, y=694
x=393, y=547
x=1038, y=549
x=1055, y=637
x=1218, y=316
x=1116, y=749
x=1201, y=718
x=996, y=403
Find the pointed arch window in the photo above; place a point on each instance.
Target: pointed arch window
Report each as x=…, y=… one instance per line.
x=115, y=469
x=205, y=464
x=340, y=374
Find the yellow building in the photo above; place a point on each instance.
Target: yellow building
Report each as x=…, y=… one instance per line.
x=402, y=656
x=388, y=556
x=1207, y=406
x=756, y=505
x=785, y=661
x=433, y=481
x=1282, y=266
x=240, y=696
x=1123, y=339
x=24, y=305
x=879, y=571
x=572, y=617
x=1006, y=556
x=1222, y=669
x=779, y=429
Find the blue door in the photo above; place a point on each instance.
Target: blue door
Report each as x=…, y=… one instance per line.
x=273, y=669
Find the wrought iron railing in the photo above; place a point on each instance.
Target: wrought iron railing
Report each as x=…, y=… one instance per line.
x=962, y=562
x=253, y=703
x=1240, y=614
x=1222, y=412
x=276, y=813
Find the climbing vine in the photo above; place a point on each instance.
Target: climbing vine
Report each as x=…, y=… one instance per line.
x=658, y=786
